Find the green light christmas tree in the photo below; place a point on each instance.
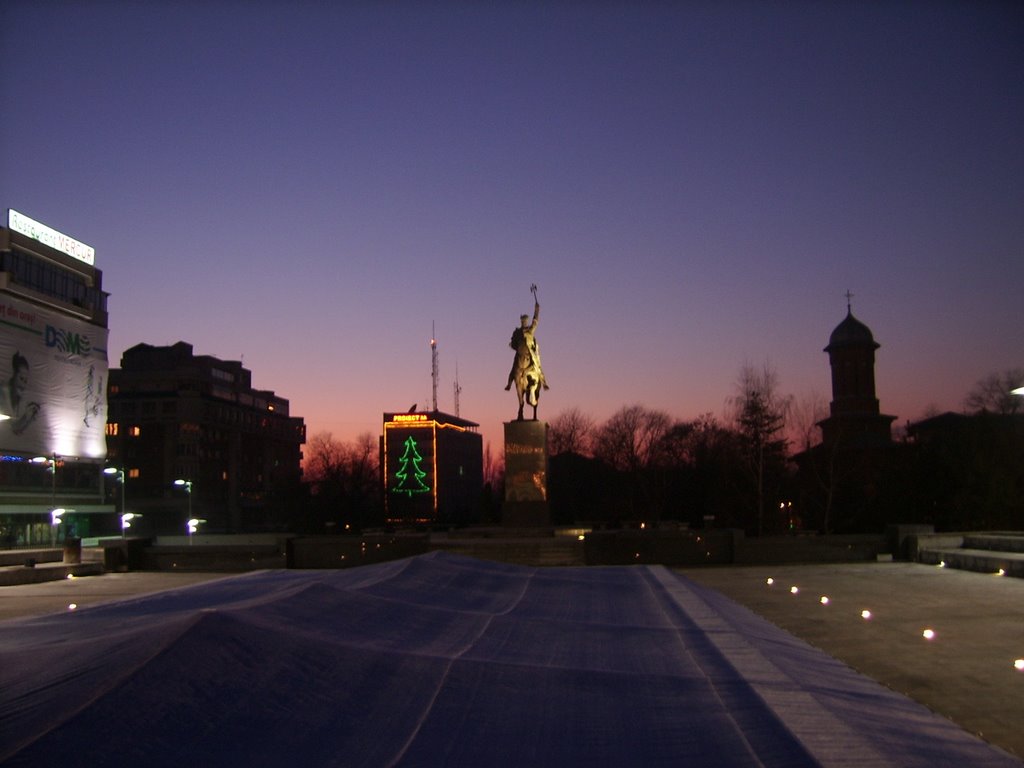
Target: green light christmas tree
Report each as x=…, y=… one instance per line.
x=411, y=482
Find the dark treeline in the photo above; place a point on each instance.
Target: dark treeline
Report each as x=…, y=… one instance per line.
x=760, y=468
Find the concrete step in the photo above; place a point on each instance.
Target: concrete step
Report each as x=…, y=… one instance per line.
x=13, y=575
x=548, y=552
x=999, y=541
x=980, y=560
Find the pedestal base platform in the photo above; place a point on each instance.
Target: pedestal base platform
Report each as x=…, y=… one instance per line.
x=526, y=474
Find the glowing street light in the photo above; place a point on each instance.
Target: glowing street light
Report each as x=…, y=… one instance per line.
x=192, y=526
x=55, y=521
x=126, y=521
x=120, y=479
x=1017, y=391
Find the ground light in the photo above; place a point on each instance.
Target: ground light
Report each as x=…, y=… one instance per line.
x=1018, y=664
x=928, y=634
x=866, y=615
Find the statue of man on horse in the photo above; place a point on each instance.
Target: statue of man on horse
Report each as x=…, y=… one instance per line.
x=526, y=372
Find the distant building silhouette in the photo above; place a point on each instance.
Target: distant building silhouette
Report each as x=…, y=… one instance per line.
x=855, y=418
x=174, y=415
x=967, y=471
x=843, y=479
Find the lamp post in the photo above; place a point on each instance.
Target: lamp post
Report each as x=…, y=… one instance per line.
x=51, y=467
x=55, y=521
x=121, y=480
x=187, y=485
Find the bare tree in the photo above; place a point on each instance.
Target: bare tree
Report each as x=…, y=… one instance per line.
x=994, y=393
x=760, y=414
x=571, y=431
x=805, y=414
x=325, y=457
x=630, y=439
x=345, y=477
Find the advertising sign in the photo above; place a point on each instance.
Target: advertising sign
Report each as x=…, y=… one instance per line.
x=29, y=227
x=53, y=383
x=411, y=469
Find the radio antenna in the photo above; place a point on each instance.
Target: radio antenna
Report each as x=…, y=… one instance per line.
x=433, y=364
x=458, y=389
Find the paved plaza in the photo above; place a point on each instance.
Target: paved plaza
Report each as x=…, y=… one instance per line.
x=965, y=672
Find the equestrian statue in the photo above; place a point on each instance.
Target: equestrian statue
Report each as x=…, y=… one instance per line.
x=526, y=372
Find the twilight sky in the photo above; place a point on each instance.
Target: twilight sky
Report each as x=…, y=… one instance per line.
x=310, y=186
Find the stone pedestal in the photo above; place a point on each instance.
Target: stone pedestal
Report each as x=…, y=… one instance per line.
x=526, y=475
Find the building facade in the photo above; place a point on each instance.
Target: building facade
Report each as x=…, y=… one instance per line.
x=195, y=440
x=432, y=466
x=53, y=374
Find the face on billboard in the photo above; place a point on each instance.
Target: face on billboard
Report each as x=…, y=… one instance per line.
x=53, y=374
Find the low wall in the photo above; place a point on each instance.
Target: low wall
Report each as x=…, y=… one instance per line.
x=351, y=551
x=810, y=548
x=664, y=547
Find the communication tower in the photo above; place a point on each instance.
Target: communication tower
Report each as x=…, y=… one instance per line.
x=433, y=366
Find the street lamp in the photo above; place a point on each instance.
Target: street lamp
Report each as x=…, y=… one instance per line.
x=51, y=467
x=187, y=485
x=120, y=479
x=1017, y=391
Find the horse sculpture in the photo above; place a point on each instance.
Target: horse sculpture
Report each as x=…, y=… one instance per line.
x=527, y=377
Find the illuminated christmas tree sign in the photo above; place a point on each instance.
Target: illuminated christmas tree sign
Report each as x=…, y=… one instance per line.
x=409, y=473
x=432, y=467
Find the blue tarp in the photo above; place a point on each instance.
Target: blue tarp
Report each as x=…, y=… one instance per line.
x=444, y=660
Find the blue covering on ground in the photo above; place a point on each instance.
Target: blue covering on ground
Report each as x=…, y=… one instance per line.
x=444, y=660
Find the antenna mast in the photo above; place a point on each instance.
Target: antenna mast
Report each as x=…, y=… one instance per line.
x=433, y=364
x=458, y=389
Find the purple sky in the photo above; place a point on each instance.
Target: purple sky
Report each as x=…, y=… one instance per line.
x=692, y=186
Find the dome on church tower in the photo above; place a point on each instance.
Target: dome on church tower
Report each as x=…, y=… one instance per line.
x=851, y=333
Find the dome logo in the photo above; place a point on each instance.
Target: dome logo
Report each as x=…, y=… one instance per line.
x=68, y=341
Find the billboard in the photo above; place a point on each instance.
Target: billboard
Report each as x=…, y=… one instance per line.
x=53, y=382
x=38, y=231
x=410, y=467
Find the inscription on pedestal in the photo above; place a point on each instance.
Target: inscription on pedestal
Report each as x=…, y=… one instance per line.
x=526, y=474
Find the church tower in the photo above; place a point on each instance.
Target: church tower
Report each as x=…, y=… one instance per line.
x=854, y=417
